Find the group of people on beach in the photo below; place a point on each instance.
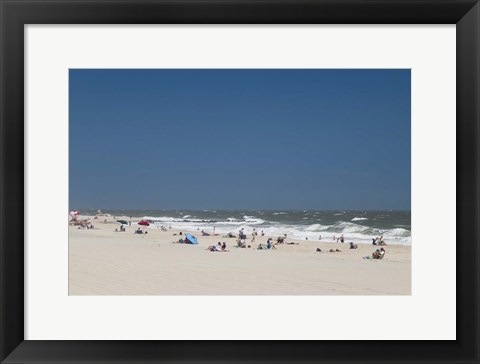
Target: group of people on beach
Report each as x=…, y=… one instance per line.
x=377, y=254
x=269, y=245
x=220, y=247
x=378, y=241
x=85, y=225
x=340, y=239
x=122, y=229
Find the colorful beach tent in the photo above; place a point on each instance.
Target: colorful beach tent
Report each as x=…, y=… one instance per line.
x=122, y=222
x=190, y=239
x=144, y=223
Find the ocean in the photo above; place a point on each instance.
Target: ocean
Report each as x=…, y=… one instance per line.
x=356, y=226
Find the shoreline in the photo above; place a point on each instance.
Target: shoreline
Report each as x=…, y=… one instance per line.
x=220, y=227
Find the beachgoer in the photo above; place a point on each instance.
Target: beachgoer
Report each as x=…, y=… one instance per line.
x=374, y=242
x=342, y=239
x=375, y=255
x=353, y=246
x=381, y=253
x=263, y=234
x=224, y=246
x=319, y=250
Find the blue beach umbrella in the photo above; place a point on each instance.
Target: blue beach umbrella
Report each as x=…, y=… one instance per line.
x=191, y=239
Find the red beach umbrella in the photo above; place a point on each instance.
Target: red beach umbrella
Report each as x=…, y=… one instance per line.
x=144, y=223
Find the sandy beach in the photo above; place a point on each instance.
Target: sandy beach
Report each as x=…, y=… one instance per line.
x=105, y=262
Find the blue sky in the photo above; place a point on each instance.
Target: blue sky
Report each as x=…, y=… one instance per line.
x=240, y=139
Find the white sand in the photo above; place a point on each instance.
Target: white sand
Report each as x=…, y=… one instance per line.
x=104, y=262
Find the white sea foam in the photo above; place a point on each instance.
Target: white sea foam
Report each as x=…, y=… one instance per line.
x=359, y=218
x=352, y=232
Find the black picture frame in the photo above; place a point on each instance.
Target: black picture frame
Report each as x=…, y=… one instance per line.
x=15, y=14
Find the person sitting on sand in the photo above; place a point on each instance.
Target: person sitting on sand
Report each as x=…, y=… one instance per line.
x=319, y=250
x=270, y=245
x=263, y=234
x=381, y=254
x=224, y=246
x=374, y=241
x=217, y=248
x=377, y=254
x=353, y=245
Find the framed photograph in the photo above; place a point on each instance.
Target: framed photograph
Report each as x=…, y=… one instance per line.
x=239, y=181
